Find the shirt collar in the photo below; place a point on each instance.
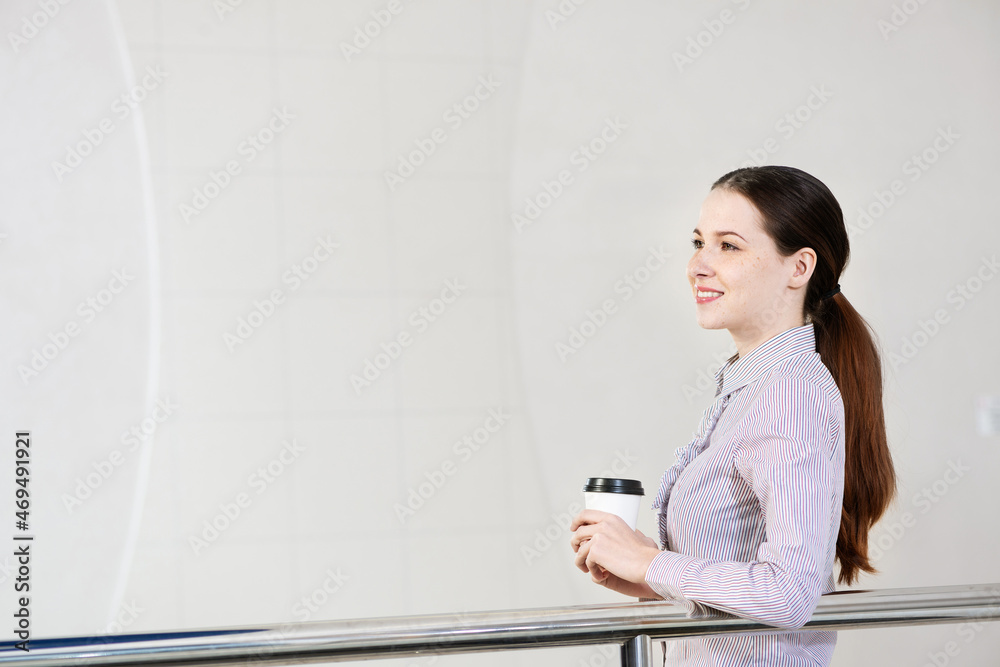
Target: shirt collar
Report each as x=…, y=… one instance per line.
x=744, y=370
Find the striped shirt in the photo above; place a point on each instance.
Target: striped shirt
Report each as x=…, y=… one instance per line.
x=750, y=511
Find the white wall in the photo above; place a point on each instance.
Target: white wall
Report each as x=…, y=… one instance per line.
x=628, y=397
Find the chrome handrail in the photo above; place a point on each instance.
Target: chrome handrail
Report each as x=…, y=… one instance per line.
x=631, y=625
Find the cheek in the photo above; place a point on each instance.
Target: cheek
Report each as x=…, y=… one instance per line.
x=744, y=274
x=751, y=267
x=738, y=269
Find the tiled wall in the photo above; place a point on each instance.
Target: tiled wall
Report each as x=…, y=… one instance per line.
x=440, y=481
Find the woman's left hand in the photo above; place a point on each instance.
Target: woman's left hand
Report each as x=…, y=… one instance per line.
x=615, y=555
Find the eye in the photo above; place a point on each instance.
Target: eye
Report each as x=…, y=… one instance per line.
x=726, y=246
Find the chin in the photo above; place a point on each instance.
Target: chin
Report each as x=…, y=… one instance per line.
x=710, y=324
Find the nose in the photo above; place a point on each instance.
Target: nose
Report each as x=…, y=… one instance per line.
x=699, y=266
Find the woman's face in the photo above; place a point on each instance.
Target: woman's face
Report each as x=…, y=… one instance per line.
x=761, y=292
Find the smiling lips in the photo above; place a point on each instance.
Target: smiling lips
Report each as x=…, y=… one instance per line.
x=706, y=295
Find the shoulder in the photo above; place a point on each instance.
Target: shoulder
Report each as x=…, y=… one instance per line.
x=798, y=397
x=802, y=380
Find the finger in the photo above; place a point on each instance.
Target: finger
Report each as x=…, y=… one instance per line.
x=575, y=543
x=588, y=517
x=597, y=573
x=581, y=564
x=581, y=557
x=582, y=534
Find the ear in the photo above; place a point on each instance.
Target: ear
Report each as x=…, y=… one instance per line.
x=803, y=263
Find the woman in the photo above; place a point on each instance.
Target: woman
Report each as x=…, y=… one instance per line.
x=789, y=468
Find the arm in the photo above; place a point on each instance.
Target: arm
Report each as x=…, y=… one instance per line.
x=786, y=458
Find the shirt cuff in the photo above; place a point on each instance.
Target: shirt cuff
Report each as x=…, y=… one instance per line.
x=665, y=574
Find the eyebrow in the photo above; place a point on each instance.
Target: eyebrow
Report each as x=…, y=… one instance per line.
x=721, y=234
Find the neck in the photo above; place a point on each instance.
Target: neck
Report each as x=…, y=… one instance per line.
x=748, y=341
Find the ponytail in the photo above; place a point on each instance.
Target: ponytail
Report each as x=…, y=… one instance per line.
x=846, y=345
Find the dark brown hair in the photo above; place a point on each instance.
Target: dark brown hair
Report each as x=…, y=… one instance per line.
x=798, y=211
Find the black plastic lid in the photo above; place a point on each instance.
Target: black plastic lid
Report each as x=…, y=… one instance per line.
x=614, y=485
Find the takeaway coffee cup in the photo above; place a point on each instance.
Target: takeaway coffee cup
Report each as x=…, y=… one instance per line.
x=617, y=496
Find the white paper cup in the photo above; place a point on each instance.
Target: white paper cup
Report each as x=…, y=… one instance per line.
x=616, y=496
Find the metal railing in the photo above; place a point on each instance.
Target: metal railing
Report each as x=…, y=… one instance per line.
x=633, y=626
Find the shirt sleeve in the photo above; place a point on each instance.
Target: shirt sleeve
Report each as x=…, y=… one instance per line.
x=792, y=460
